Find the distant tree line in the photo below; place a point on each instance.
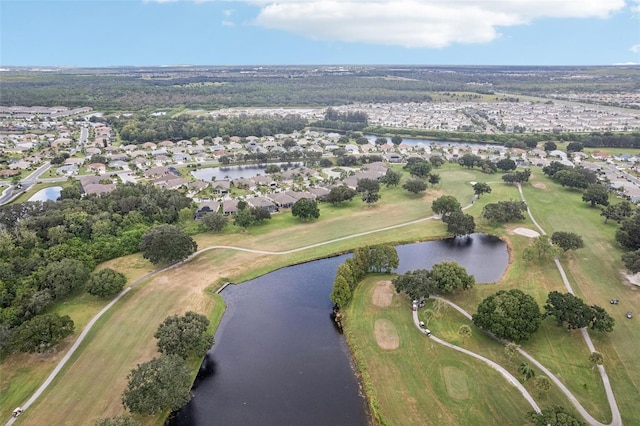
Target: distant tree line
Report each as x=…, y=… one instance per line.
x=142, y=128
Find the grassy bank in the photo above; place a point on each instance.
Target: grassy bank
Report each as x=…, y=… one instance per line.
x=421, y=382
x=432, y=385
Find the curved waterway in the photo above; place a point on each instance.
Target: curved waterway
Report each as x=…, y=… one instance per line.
x=278, y=358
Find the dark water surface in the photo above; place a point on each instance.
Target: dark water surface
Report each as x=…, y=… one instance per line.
x=278, y=358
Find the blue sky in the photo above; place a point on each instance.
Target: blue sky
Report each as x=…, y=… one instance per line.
x=291, y=32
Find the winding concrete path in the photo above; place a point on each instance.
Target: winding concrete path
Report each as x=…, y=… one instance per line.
x=510, y=378
x=91, y=323
x=616, y=418
x=583, y=412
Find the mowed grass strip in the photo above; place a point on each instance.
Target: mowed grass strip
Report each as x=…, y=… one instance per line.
x=421, y=382
x=91, y=385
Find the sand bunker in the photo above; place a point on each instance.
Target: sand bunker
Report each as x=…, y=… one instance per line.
x=633, y=279
x=386, y=334
x=526, y=232
x=383, y=294
x=540, y=185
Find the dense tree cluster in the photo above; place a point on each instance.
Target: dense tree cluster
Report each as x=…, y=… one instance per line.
x=48, y=249
x=142, y=128
x=444, y=278
x=41, y=333
x=572, y=177
x=517, y=176
x=572, y=311
x=504, y=211
x=618, y=211
x=554, y=416
x=512, y=315
x=380, y=259
x=628, y=234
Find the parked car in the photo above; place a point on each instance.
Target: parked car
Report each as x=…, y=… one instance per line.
x=629, y=315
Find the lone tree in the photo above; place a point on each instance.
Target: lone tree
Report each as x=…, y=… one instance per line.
x=542, y=383
x=445, y=205
x=160, y=384
x=305, y=209
x=511, y=350
x=415, y=185
x=41, y=333
x=567, y=240
x=480, y=188
x=526, y=370
x=447, y=277
x=184, y=336
x=464, y=332
x=106, y=282
x=340, y=194
x=506, y=164
x=595, y=359
x=166, y=244
x=215, y=222
x=541, y=249
x=511, y=315
x=391, y=178
x=459, y=223
x=596, y=194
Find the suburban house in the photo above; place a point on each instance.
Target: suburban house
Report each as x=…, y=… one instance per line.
x=229, y=207
x=262, y=202
x=206, y=207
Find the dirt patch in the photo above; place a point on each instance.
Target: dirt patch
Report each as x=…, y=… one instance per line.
x=526, y=232
x=455, y=381
x=386, y=334
x=383, y=294
x=540, y=185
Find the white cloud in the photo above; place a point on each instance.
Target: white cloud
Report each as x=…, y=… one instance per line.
x=418, y=23
x=635, y=48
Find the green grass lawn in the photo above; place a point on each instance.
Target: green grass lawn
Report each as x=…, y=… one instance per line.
x=421, y=382
x=431, y=385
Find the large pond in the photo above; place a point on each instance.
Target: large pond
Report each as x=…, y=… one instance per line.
x=51, y=193
x=278, y=358
x=429, y=142
x=235, y=172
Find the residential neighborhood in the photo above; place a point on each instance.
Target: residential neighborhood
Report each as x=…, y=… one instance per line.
x=41, y=135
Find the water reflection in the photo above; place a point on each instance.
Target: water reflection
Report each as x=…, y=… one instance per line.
x=279, y=358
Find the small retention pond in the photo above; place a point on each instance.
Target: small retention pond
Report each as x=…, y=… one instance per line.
x=235, y=172
x=51, y=193
x=278, y=358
